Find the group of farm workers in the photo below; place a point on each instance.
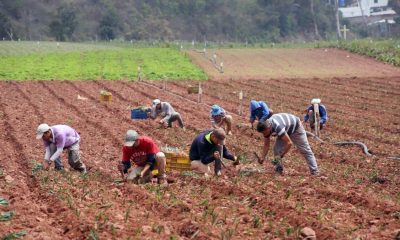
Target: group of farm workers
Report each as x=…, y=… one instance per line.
x=141, y=155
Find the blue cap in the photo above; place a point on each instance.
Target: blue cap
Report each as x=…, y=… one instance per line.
x=216, y=110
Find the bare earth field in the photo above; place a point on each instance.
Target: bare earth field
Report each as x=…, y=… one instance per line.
x=292, y=63
x=357, y=196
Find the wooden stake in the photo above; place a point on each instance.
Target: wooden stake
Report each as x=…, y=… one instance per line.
x=316, y=119
x=138, y=74
x=241, y=103
x=200, y=93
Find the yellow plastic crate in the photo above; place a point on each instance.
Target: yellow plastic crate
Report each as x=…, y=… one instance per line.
x=105, y=96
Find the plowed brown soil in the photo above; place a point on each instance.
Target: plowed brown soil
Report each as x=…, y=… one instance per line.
x=357, y=196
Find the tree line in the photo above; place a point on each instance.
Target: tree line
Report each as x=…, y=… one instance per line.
x=213, y=20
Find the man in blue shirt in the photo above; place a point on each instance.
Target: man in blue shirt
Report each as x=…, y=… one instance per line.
x=309, y=116
x=259, y=110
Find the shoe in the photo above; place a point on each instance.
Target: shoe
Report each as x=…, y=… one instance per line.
x=162, y=181
x=315, y=173
x=230, y=133
x=279, y=169
x=218, y=173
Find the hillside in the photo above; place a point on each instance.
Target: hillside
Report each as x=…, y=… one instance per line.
x=234, y=20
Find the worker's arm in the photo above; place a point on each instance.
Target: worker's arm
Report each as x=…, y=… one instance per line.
x=151, y=159
x=286, y=146
x=265, y=149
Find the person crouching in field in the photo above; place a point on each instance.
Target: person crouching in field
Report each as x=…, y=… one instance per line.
x=289, y=130
x=167, y=112
x=144, y=155
x=259, y=110
x=57, y=138
x=309, y=116
x=219, y=118
x=208, y=147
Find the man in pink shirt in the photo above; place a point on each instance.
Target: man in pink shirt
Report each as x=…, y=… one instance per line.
x=57, y=138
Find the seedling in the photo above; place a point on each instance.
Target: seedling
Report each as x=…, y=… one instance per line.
x=36, y=167
x=6, y=216
x=128, y=212
x=16, y=235
x=157, y=228
x=93, y=234
x=256, y=223
x=3, y=202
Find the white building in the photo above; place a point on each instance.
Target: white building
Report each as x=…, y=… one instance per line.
x=366, y=7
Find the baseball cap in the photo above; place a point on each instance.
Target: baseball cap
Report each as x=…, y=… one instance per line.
x=216, y=110
x=219, y=133
x=42, y=128
x=156, y=101
x=131, y=137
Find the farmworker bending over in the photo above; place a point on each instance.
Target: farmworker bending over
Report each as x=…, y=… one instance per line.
x=259, y=110
x=144, y=155
x=209, y=147
x=309, y=116
x=167, y=112
x=219, y=118
x=57, y=138
x=288, y=130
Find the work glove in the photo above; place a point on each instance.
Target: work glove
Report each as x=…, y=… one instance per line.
x=277, y=160
x=236, y=162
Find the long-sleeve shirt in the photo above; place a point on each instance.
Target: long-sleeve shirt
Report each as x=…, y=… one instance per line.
x=218, y=118
x=322, y=113
x=165, y=112
x=203, y=149
x=259, y=110
x=63, y=136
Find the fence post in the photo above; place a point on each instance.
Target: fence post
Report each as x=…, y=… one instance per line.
x=200, y=93
x=221, y=67
x=241, y=103
x=138, y=74
x=316, y=118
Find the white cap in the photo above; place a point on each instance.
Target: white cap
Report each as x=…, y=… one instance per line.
x=42, y=128
x=156, y=101
x=315, y=101
x=131, y=137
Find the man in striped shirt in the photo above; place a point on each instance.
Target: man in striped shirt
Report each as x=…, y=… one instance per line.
x=289, y=130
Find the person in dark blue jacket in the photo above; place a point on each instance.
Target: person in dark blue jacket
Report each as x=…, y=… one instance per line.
x=309, y=116
x=259, y=110
x=206, y=148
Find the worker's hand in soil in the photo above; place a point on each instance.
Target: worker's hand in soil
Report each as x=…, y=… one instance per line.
x=260, y=160
x=236, y=162
x=120, y=167
x=46, y=165
x=216, y=155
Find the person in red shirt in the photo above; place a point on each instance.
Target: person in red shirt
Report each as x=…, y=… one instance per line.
x=144, y=155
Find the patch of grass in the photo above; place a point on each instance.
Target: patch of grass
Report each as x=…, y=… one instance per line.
x=93, y=63
x=36, y=167
x=3, y=202
x=6, y=216
x=13, y=236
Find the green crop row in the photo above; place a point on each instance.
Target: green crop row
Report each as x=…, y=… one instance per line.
x=387, y=51
x=86, y=62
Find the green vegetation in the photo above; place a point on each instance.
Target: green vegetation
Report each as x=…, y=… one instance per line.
x=46, y=61
x=385, y=50
x=16, y=235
